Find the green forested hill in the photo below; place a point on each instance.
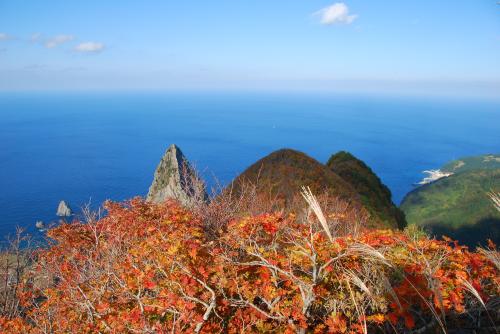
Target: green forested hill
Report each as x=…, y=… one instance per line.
x=458, y=206
x=488, y=161
x=376, y=197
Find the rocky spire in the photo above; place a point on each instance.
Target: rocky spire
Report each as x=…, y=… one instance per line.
x=174, y=178
x=63, y=210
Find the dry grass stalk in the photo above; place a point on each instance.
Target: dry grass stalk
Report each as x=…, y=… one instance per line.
x=493, y=255
x=315, y=207
x=370, y=253
x=495, y=198
x=473, y=291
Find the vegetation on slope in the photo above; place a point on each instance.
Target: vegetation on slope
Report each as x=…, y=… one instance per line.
x=376, y=197
x=282, y=173
x=458, y=205
x=487, y=161
x=153, y=268
x=280, y=176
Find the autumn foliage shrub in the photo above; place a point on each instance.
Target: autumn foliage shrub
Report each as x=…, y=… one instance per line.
x=153, y=268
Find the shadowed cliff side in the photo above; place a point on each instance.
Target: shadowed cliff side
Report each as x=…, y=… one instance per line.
x=375, y=195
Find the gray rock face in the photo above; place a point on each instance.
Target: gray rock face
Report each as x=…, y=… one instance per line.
x=174, y=179
x=63, y=210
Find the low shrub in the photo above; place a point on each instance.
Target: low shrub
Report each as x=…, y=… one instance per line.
x=154, y=268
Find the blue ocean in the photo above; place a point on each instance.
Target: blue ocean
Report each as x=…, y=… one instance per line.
x=84, y=147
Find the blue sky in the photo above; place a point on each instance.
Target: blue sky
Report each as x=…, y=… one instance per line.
x=425, y=46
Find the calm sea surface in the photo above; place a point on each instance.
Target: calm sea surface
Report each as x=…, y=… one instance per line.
x=81, y=147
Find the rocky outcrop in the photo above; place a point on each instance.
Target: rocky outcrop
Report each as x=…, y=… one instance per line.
x=63, y=210
x=175, y=179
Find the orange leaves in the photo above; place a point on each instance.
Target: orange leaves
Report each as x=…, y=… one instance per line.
x=336, y=324
x=102, y=307
x=14, y=326
x=377, y=318
x=134, y=316
x=193, y=251
x=152, y=268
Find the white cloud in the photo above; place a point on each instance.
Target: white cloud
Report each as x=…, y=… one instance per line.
x=36, y=37
x=4, y=36
x=88, y=47
x=57, y=40
x=338, y=13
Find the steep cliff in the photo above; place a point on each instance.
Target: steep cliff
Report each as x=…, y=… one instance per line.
x=375, y=195
x=174, y=178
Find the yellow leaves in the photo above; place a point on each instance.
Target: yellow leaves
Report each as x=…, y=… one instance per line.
x=155, y=267
x=377, y=318
x=172, y=249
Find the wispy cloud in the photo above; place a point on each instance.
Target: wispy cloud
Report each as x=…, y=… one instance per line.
x=73, y=69
x=338, y=13
x=34, y=67
x=89, y=47
x=4, y=36
x=57, y=40
x=36, y=37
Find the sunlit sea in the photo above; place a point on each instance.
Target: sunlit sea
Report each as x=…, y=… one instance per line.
x=89, y=147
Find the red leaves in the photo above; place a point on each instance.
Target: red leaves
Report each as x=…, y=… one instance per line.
x=409, y=321
x=149, y=284
x=203, y=272
x=147, y=267
x=134, y=316
x=265, y=275
x=270, y=227
x=393, y=317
